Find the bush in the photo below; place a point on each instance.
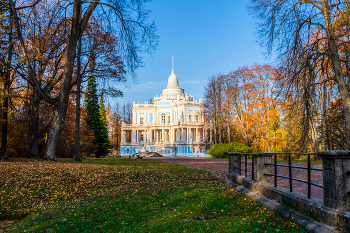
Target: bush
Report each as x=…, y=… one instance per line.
x=219, y=150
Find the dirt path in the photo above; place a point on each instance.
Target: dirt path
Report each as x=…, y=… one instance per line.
x=219, y=168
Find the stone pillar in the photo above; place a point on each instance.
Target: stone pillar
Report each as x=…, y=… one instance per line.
x=123, y=137
x=172, y=134
x=163, y=134
x=234, y=163
x=186, y=136
x=336, y=179
x=133, y=136
x=260, y=168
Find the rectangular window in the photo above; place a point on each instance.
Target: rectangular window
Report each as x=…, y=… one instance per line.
x=151, y=118
x=141, y=120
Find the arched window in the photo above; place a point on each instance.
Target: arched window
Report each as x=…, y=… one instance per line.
x=197, y=117
x=189, y=118
x=163, y=118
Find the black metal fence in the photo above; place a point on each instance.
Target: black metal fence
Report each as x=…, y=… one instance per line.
x=275, y=164
x=245, y=162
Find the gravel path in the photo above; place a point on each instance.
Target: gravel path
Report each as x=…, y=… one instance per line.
x=219, y=168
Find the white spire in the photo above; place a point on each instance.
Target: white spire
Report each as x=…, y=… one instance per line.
x=172, y=59
x=172, y=81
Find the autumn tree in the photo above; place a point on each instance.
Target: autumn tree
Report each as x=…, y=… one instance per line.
x=213, y=103
x=115, y=119
x=6, y=57
x=287, y=27
x=134, y=32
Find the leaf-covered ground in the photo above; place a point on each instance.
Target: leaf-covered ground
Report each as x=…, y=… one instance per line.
x=123, y=195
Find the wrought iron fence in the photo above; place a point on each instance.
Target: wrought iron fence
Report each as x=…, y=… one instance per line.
x=245, y=162
x=290, y=175
x=275, y=164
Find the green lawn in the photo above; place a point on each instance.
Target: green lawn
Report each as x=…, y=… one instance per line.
x=124, y=195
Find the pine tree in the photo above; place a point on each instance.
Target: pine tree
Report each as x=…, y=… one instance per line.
x=95, y=120
x=104, y=128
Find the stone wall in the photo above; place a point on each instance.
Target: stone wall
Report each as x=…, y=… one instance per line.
x=333, y=211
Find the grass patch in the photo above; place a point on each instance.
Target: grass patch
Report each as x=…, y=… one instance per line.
x=294, y=161
x=124, y=195
x=313, y=162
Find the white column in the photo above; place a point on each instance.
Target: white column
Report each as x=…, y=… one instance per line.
x=170, y=135
x=123, y=136
x=133, y=136
x=163, y=138
x=173, y=135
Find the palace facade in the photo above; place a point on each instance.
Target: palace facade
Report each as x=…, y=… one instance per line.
x=172, y=125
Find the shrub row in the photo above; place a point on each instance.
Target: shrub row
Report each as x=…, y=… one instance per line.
x=219, y=150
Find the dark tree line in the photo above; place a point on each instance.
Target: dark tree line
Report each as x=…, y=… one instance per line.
x=45, y=48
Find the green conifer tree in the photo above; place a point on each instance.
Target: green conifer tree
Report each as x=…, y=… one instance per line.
x=104, y=129
x=94, y=119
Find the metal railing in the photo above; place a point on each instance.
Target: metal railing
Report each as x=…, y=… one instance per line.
x=245, y=162
x=290, y=175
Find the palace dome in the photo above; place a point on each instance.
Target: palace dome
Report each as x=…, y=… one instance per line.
x=173, y=83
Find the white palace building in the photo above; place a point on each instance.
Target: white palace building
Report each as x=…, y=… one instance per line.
x=173, y=125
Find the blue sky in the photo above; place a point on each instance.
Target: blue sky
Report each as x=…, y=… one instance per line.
x=206, y=37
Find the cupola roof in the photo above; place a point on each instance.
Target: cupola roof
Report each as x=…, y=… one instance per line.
x=173, y=83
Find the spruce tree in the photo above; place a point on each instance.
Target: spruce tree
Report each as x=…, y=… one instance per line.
x=94, y=119
x=104, y=129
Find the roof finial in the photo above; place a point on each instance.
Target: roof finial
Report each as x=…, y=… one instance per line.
x=172, y=63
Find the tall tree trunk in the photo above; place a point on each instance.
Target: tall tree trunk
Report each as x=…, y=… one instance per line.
x=77, y=112
x=314, y=135
x=33, y=134
x=339, y=76
x=324, y=111
x=61, y=103
x=60, y=111
x=229, y=133
x=7, y=84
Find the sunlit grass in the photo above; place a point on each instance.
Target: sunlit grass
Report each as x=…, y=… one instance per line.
x=123, y=195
